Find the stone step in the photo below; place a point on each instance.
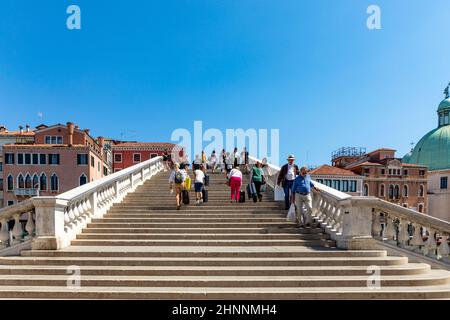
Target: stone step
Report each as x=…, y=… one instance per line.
x=194, y=225
x=205, y=242
x=409, y=269
x=183, y=218
x=434, y=277
x=201, y=293
x=184, y=214
x=205, y=252
x=200, y=261
x=216, y=230
x=171, y=236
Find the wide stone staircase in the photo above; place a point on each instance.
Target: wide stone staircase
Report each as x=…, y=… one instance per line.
x=143, y=248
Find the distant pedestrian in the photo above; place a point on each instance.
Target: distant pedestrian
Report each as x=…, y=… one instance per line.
x=286, y=179
x=257, y=177
x=196, y=163
x=235, y=178
x=213, y=161
x=199, y=183
x=235, y=157
x=176, y=181
x=301, y=197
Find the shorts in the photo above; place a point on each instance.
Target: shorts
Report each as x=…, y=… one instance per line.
x=198, y=186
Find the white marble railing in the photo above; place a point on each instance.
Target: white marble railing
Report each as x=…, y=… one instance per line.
x=355, y=222
x=53, y=222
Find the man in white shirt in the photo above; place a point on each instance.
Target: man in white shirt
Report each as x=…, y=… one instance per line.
x=198, y=183
x=286, y=178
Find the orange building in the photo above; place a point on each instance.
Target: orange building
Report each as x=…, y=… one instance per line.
x=61, y=158
x=388, y=178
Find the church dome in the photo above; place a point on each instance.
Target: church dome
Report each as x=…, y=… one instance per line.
x=433, y=150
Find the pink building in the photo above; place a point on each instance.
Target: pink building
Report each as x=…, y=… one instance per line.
x=61, y=158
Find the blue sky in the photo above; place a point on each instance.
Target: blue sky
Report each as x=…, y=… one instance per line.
x=140, y=69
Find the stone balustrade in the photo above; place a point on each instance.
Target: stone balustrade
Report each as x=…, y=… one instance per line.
x=356, y=222
x=53, y=222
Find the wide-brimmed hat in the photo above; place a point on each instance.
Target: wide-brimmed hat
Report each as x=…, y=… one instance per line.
x=291, y=157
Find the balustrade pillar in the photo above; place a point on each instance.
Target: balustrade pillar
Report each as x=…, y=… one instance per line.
x=356, y=227
x=4, y=233
x=50, y=234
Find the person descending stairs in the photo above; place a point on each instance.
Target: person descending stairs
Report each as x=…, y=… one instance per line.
x=144, y=248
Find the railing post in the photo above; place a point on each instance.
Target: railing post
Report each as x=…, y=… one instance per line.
x=50, y=234
x=4, y=233
x=93, y=200
x=356, y=226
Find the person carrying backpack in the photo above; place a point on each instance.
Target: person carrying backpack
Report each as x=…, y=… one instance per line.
x=176, y=181
x=257, y=177
x=199, y=183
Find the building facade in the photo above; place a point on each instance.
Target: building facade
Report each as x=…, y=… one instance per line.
x=433, y=151
x=127, y=154
x=340, y=179
x=388, y=178
x=61, y=158
x=20, y=136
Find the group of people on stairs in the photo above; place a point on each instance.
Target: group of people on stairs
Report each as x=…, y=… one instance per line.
x=296, y=183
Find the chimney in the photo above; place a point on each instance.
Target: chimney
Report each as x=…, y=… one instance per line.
x=70, y=128
x=101, y=141
x=27, y=128
x=20, y=129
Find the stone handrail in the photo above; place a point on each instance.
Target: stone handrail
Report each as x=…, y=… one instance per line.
x=53, y=222
x=355, y=222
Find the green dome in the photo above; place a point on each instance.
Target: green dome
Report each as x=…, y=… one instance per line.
x=433, y=150
x=406, y=157
x=445, y=104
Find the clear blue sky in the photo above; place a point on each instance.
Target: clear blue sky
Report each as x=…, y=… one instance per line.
x=140, y=69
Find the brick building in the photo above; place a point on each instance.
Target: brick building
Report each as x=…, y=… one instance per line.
x=61, y=158
x=388, y=178
x=127, y=154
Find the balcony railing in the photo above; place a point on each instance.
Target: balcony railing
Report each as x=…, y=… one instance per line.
x=26, y=192
x=356, y=222
x=54, y=222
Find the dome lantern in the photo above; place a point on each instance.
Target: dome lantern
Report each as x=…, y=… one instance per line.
x=444, y=109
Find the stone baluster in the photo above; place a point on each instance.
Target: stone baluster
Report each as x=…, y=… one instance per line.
x=17, y=231
x=417, y=239
x=443, y=249
x=376, y=225
x=430, y=244
x=4, y=233
x=30, y=226
x=390, y=230
x=403, y=236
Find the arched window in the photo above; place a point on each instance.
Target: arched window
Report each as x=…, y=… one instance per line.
x=10, y=183
x=43, y=182
x=397, y=192
x=366, y=190
x=391, y=191
x=28, y=181
x=83, y=179
x=54, y=183
x=421, y=190
x=405, y=190
x=20, y=182
x=35, y=182
x=382, y=190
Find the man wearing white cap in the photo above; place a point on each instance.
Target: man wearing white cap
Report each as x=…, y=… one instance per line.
x=286, y=178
